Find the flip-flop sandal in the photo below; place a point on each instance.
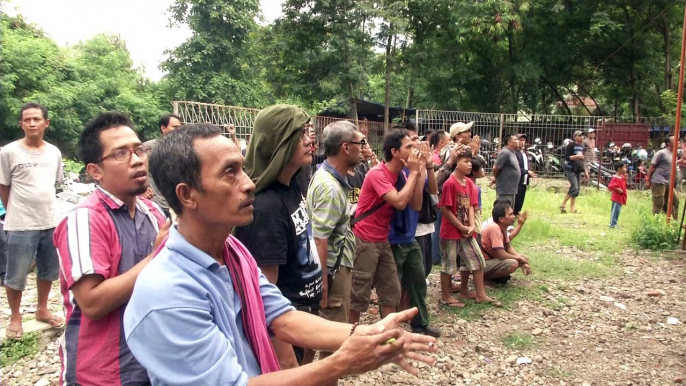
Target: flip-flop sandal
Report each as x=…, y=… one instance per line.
x=54, y=322
x=563, y=210
x=452, y=304
x=14, y=334
x=575, y=211
x=493, y=302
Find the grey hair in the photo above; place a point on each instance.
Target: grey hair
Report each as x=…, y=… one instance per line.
x=335, y=134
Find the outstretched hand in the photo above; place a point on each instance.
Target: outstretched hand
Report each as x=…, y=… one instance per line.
x=417, y=345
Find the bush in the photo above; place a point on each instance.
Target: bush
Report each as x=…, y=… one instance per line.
x=655, y=234
x=14, y=350
x=72, y=166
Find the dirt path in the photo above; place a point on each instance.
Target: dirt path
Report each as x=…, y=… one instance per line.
x=610, y=331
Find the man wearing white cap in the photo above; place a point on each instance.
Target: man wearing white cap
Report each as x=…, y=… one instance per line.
x=589, y=151
x=461, y=132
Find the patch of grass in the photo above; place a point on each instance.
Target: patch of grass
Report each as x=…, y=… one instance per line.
x=556, y=372
x=508, y=295
x=518, y=340
x=655, y=234
x=549, y=265
x=14, y=350
x=557, y=304
x=587, y=231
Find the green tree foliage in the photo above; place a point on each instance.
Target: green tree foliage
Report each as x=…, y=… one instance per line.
x=213, y=65
x=74, y=83
x=319, y=50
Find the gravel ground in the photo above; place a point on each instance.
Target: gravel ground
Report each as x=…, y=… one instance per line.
x=611, y=331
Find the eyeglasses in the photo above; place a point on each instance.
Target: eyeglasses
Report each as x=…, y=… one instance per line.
x=126, y=154
x=362, y=142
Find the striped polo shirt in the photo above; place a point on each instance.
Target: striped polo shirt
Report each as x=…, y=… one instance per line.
x=99, y=237
x=329, y=210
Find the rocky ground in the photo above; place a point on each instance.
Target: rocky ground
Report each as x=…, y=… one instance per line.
x=625, y=329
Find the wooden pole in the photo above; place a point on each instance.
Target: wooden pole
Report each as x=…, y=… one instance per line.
x=677, y=124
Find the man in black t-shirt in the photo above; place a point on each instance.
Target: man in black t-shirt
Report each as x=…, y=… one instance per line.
x=280, y=236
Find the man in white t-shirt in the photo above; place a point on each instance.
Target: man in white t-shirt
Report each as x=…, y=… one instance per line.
x=29, y=169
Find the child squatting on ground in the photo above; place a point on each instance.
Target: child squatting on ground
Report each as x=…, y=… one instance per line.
x=618, y=188
x=459, y=200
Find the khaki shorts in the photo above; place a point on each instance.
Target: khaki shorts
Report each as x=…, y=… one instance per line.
x=496, y=268
x=338, y=303
x=466, y=252
x=374, y=265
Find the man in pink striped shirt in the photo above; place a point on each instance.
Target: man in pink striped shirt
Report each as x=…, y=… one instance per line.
x=103, y=244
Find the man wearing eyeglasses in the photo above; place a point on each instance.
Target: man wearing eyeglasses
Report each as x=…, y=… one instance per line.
x=103, y=245
x=29, y=168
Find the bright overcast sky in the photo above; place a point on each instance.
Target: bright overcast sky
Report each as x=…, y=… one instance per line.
x=143, y=24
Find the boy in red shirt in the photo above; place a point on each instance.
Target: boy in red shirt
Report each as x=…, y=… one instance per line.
x=618, y=188
x=459, y=199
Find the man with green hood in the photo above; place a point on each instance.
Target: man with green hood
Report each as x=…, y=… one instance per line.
x=280, y=236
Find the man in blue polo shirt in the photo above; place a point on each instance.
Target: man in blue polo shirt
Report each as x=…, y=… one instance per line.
x=406, y=251
x=202, y=313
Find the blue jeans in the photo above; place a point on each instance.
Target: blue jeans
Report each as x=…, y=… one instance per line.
x=616, y=208
x=23, y=246
x=436, y=239
x=3, y=254
x=574, y=182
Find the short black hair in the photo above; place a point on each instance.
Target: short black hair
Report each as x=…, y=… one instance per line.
x=500, y=209
x=407, y=125
x=506, y=137
x=477, y=165
x=174, y=161
x=618, y=165
x=90, y=147
x=437, y=137
x=164, y=120
x=466, y=154
x=393, y=140
x=33, y=105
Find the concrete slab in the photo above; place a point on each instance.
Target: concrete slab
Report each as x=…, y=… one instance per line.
x=29, y=326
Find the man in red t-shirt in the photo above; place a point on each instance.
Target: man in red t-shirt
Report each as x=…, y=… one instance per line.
x=501, y=258
x=374, y=262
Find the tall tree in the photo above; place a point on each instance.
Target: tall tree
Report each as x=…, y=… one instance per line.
x=212, y=65
x=320, y=50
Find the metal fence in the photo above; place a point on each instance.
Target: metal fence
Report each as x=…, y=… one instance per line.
x=546, y=135
x=244, y=119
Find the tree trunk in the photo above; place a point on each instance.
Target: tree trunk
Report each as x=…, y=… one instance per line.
x=557, y=93
x=668, y=47
x=389, y=62
x=410, y=97
x=513, y=87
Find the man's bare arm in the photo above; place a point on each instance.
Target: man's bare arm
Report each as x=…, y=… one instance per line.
x=399, y=200
x=5, y=195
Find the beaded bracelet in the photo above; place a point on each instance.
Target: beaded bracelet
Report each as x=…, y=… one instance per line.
x=352, y=329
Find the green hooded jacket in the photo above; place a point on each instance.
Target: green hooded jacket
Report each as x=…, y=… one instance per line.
x=277, y=132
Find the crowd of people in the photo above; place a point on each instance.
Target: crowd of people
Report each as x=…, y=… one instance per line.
x=194, y=263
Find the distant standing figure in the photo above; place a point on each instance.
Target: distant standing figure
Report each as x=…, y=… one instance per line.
x=506, y=171
x=618, y=188
x=658, y=179
x=574, y=156
x=29, y=169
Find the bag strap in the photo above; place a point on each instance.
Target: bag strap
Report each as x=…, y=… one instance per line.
x=366, y=214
